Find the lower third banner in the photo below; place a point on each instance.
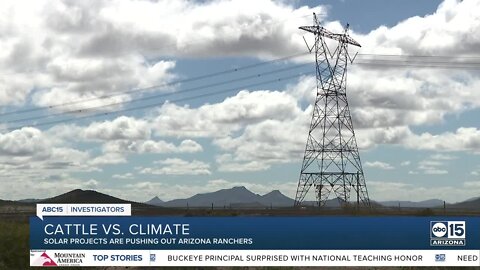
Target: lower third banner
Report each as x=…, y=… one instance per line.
x=255, y=241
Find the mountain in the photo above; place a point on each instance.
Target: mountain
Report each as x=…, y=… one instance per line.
x=239, y=197
x=473, y=204
x=420, y=204
x=333, y=203
x=220, y=198
x=277, y=199
x=472, y=199
x=11, y=203
x=29, y=200
x=236, y=197
x=86, y=196
x=2, y=202
x=155, y=201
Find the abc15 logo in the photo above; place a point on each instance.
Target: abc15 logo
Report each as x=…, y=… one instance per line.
x=448, y=229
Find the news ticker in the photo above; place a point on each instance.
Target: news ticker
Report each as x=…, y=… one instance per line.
x=254, y=258
x=104, y=239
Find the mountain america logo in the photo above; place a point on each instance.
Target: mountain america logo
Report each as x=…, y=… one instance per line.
x=44, y=260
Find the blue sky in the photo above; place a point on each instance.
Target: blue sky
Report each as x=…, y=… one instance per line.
x=417, y=128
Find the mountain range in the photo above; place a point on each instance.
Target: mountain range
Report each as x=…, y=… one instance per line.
x=236, y=197
x=422, y=204
x=241, y=197
x=81, y=196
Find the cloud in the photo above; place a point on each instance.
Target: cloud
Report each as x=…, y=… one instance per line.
x=24, y=142
x=30, y=149
x=236, y=29
x=472, y=184
x=62, y=51
x=176, y=166
x=446, y=30
x=150, y=146
x=257, y=134
x=230, y=115
x=463, y=139
x=31, y=184
x=108, y=159
x=123, y=176
x=227, y=164
x=379, y=165
x=399, y=97
x=120, y=128
x=405, y=163
x=441, y=156
x=432, y=167
x=68, y=51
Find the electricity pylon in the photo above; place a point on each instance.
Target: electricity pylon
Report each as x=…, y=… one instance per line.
x=331, y=162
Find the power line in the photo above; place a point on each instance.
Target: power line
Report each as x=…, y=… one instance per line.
x=427, y=61
x=157, y=95
x=366, y=62
x=420, y=56
x=205, y=76
x=137, y=90
x=159, y=103
x=420, y=63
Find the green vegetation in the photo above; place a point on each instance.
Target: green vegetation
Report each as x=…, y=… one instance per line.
x=14, y=249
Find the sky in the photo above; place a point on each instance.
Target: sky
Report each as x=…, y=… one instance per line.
x=173, y=98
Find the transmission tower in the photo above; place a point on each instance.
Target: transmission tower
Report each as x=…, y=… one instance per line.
x=331, y=163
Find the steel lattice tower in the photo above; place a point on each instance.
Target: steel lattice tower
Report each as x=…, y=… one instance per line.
x=331, y=162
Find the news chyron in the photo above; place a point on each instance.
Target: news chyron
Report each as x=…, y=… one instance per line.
x=448, y=233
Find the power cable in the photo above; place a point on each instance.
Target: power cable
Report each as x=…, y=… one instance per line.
x=159, y=103
x=136, y=90
x=157, y=95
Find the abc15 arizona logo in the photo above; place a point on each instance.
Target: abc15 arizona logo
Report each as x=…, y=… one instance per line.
x=447, y=233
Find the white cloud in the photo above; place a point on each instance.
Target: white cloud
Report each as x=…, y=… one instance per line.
x=256, y=136
x=379, y=165
x=150, y=146
x=80, y=50
x=176, y=166
x=227, y=164
x=446, y=30
x=123, y=176
x=440, y=156
x=38, y=185
x=189, y=146
x=463, y=139
x=472, y=184
x=107, y=159
x=432, y=166
x=120, y=128
x=405, y=163
x=435, y=171
x=24, y=142
x=72, y=50
x=29, y=149
x=221, y=119
x=398, y=97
